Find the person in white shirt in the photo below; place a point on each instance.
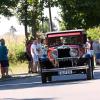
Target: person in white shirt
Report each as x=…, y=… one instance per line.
x=88, y=47
x=34, y=54
x=88, y=53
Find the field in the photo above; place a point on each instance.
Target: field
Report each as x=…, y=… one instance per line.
x=14, y=42
x=13, y=39
x=19, y=68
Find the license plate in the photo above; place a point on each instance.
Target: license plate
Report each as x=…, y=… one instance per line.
x=64, y=72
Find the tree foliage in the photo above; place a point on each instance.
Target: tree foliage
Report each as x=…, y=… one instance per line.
x=80, y=13
x=34, y=12
x=94, y=33
x=7, y=7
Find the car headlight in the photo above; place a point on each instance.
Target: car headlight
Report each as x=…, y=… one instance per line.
x=73, y=52
x=54, y=54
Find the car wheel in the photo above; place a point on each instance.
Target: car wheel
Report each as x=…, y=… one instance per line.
x=43, y=78
x=89, y=72
x=49, y=78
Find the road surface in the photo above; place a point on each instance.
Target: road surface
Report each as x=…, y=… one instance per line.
x=70, y=88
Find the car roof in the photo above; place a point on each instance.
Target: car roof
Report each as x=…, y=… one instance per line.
x=55, y=32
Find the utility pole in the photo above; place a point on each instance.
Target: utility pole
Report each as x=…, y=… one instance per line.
x=50, y=16
x=42, y=17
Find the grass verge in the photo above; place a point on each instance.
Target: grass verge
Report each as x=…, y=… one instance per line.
x=18, y=68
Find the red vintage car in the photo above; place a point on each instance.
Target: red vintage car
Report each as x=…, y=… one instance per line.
x=66, y=55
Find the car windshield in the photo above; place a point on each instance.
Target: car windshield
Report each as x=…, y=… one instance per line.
x=68, y=40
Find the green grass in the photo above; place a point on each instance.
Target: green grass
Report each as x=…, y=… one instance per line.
x=18, y=68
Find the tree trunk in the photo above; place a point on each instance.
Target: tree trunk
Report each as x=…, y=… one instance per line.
x=26, y=35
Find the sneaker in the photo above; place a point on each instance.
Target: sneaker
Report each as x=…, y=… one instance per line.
x=8, y=76
x=29, y=72
x=3, y=77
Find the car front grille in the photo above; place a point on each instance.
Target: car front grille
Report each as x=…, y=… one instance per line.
x=63, y=52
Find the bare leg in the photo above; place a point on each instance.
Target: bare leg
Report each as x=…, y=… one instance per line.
x=6, y=71
x=38, y=66
x=2, y=71
x=34, y=69
x=30, y=66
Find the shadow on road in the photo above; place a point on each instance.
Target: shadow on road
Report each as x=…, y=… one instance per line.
x=35, y=81
x=28, y=99
x=96, y=75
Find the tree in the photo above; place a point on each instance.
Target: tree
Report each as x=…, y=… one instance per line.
x=32, y=14
x=80, y=13
x=7, y=7
x=48, y=4
x=44, y=26
x=94, y=33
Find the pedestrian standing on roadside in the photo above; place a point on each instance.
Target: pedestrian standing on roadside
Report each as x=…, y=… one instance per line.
x=0, y=56
x=39, y=46
x=39, y=49
x=35, y=57
x=43, y=48
x=96, y=48
x=29, y=57
x=93, y=58
x=4, y=59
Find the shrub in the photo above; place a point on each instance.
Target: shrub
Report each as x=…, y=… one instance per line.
x=17, y=53
x=94, y=33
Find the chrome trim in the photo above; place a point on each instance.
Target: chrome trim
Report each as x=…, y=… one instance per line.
x=67, y=68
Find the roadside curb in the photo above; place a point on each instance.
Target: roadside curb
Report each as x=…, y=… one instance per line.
x=18, y=76
x=97, y=67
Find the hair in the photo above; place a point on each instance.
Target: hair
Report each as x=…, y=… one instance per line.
x=89, y=38
x=2, y=41
x=42, y=40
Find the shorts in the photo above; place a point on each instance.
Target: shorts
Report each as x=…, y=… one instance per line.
x=35, y=58
x=4, y=63
x=90, y=52
x=29, y=58
x=87, y=56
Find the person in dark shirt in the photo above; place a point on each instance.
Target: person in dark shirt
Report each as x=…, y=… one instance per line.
x=4, y=59
x=29, y=57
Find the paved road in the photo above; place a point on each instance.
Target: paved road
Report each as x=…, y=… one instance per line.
x=31, y=88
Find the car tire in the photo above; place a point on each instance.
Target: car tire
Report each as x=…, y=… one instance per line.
x=89, y=72
x=43, y=78
x=49, y=78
